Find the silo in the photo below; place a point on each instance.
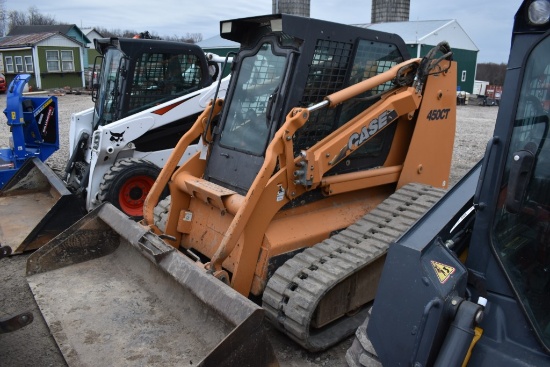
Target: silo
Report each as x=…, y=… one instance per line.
x=390, y=11
x=295, y=7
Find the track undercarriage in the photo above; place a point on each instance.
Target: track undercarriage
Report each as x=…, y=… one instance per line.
x=317, y=298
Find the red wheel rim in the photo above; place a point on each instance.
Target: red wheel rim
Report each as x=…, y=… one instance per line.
x=133, y=193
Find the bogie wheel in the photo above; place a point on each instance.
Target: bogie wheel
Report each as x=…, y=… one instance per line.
x=160, y=213
x=127, y=183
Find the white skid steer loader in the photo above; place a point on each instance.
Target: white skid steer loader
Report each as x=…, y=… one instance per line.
x=147, y=94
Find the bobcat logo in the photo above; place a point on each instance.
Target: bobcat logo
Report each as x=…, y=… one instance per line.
x=117, y=137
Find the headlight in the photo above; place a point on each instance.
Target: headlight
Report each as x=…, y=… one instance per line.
x=539, y=12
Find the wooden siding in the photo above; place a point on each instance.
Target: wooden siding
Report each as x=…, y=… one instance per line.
x=54, y=81
x=62, y=78
x=58, y=41
x=11, y=76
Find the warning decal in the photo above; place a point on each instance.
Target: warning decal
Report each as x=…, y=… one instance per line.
x=442, y=271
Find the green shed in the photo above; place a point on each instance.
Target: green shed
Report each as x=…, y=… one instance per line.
x=53, y=59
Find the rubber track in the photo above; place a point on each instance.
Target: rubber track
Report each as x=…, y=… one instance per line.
x=293, y=292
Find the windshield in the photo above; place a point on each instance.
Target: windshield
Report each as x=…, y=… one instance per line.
x=522, y=238
x=247, y=124
x=105, y=104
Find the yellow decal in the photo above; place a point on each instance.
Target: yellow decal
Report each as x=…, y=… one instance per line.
x=13, y=116
x=442, y=271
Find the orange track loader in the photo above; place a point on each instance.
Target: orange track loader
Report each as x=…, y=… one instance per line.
x=330, y=143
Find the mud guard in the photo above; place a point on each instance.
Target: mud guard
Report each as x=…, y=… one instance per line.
x=38, y=206
x=114, y=294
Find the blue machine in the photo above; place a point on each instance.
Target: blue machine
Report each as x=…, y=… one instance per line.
x=34, y=127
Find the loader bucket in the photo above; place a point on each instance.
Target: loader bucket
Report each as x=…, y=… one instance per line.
x=35, y=206
x=115, y=294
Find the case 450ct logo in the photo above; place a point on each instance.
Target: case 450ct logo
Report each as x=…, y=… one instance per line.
x=358, y=138
x=441, y=114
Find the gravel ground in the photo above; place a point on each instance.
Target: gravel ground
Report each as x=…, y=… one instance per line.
x=34, y=346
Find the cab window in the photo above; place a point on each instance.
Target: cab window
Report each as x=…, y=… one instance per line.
x=521, y=234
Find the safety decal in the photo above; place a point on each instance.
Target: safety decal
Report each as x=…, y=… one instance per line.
x=442, y=271
x=41, y=108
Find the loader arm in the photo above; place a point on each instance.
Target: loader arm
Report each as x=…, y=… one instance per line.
x=333, y=149
x=402, y=101
x=198, y=128
x=315, y=162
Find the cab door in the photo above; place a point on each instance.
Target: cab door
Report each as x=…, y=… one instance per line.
x=521, y=225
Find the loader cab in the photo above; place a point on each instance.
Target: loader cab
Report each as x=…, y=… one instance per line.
x=515, y=219
x=132, y=75
x=316, y=58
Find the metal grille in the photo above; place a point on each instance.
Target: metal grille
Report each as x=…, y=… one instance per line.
x=332, y=70
x=326, y=76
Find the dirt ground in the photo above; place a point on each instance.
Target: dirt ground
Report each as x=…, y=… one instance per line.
x=34, y=346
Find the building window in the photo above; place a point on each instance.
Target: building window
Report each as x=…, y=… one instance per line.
x=67, y=60
x=463, y=75
x=52, y=61
x=18, y=64
x=29, y=67
x=9, y=64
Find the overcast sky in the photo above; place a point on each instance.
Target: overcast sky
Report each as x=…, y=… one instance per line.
x=487, y=22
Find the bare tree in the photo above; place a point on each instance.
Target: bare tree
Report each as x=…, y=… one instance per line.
x=3, y=18
x=37, y=18
x=11, y=19
x=491, y=72
x=193, y=37
x=31, y=17
x=188, y=38
x=16, y=18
